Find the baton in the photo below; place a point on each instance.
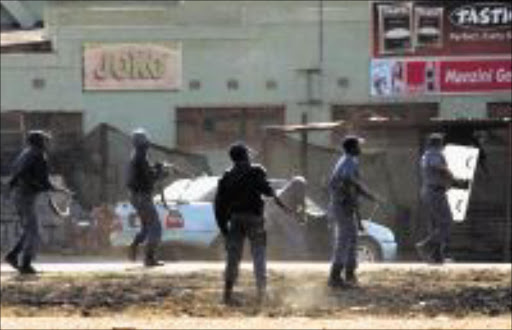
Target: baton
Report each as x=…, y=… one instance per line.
x=64, y=212
x=375, y=208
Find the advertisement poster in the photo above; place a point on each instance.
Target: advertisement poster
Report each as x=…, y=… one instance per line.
x=462, y=161
x=401, y=77
x=441, y=28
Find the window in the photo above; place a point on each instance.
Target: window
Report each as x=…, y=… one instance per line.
x=232, y=84
x=499, y=110
x=194, y=85
x=271, y=84
x=201, y=128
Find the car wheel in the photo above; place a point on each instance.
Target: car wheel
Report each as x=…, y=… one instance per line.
x=368, y=250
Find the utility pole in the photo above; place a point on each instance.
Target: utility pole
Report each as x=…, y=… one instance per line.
x=313, y=101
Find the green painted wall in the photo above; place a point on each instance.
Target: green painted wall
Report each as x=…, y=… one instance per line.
x=251, y=41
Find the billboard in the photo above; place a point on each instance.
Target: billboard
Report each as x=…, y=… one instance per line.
x=441, y=28
x=131, y=66
x=409, y=77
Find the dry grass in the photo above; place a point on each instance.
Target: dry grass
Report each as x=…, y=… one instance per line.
x=405, y=294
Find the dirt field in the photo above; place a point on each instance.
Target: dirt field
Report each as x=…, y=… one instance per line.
x=430, y=297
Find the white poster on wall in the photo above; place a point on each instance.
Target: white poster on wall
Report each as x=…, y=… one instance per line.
x=462, y=161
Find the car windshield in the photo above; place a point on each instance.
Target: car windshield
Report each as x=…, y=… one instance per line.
x=200, y=189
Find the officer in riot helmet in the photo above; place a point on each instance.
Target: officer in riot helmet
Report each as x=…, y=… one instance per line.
x=436, y=180
x=29, y=178
x=141, y=179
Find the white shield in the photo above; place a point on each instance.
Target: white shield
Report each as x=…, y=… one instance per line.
x=462, y=161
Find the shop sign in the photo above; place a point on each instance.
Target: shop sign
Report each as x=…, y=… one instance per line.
x=391, y=77
x=132, y=66
x=441, y=28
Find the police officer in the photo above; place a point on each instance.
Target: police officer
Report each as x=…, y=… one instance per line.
x=436, y=180
x=345, y=188
x=30, y=176
x=142, y=177
x=239, y=213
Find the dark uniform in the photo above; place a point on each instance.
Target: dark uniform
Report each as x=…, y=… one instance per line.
x=239, y=213
x=30, y=177
x=436, y=180
x=142, y=177
x=343, y=212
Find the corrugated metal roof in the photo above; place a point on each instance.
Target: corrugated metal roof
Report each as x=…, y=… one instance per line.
x=484, y=123
x=17, y=37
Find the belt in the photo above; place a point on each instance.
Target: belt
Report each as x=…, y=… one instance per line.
x=246, y=216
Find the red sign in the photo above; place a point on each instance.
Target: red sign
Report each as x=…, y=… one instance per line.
x=174, y=220
x=441, y=28
x=404, y=78
x=475, y=76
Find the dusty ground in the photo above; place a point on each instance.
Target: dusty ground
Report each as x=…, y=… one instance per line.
x=368, y=322
x=462, y=298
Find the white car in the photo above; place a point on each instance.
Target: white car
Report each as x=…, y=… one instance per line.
x=188, y=220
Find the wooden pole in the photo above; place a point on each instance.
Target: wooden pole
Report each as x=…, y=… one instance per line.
x=304, y=147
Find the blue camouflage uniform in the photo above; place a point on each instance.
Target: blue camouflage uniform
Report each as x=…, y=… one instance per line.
x=342, y=211
x=435, y=204
x=30, y=177
x=142, y=177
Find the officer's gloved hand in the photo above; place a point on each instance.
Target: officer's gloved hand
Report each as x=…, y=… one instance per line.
x=159, y=169
x=360, y=226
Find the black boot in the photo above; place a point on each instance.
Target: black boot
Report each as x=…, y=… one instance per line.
x=350, y=277
x=335, y=280
x=12, y=260
x=150, y=260
x=438, y=255
x=424, y=251
x=228, y=298
x=26, y=266
x=132, y=252
x=261, y=294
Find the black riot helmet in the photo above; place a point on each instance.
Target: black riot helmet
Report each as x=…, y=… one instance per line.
x=38, y=138
x=435, y=140
x=238, y=152
x=140, y=139
x=351, y=144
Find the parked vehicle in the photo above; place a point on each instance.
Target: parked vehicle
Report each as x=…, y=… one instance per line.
x=188, y=221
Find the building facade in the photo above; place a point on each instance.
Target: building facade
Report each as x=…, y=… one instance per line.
x=200, y=74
